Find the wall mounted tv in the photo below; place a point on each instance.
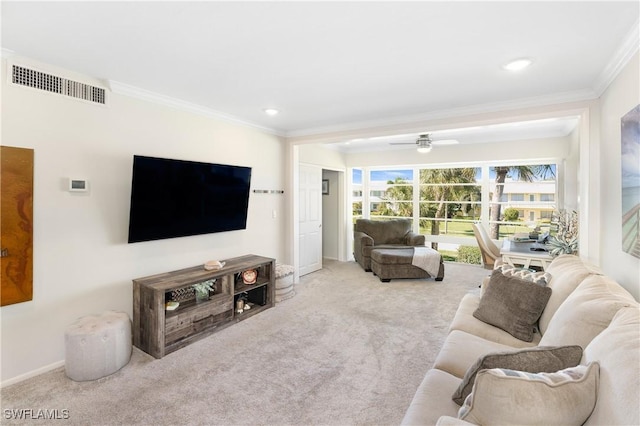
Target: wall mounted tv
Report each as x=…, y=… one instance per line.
x=176, y=198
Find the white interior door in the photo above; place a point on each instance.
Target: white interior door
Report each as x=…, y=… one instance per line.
x=310, y=210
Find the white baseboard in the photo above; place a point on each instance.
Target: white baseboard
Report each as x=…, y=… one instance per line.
x=33, y=373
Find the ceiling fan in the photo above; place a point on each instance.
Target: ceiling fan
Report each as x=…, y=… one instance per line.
x=425, y=143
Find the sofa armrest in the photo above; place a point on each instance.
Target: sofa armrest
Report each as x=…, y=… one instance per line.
x=413, y=239
x=360, y=239
x=452, y=421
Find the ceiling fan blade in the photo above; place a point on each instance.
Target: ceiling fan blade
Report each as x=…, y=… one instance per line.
x=445, y=142
x=402, y=143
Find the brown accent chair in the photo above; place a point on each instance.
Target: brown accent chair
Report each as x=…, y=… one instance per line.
x=388, y=234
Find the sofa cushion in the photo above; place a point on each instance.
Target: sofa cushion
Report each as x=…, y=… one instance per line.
x=586, y=312
x=512, y=304
x=391, y=231
x=617, y=350
x=368, y=250
x=465, y=321
x=432, y=399
x=543, y=359
x=452, y=421
x=567, y=272
x=501, y=396
x=461, y=350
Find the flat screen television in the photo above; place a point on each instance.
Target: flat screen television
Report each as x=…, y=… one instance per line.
x=177, y=198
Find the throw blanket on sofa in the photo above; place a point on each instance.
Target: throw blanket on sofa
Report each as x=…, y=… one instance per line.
x=427, y=259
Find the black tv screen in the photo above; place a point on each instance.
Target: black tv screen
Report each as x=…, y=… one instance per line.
x=176, y=198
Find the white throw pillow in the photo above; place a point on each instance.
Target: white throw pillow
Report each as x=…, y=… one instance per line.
x=539, y=277
x=501, y=396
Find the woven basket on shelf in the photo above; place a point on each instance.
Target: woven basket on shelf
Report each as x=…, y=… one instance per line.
x=183, y=294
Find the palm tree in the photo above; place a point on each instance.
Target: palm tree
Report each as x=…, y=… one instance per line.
x=523, y=173
x=444, y=192
x=403, y=191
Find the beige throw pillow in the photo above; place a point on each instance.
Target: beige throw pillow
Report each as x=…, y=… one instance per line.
x=541, y=359
x=512, y=304
x=500, y=396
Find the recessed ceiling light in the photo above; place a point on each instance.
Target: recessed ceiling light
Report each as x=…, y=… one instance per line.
x=518, y=64
x=271, y=111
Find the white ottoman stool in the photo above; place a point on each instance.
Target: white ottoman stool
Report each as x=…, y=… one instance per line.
x=97, y=345
x=284, y=282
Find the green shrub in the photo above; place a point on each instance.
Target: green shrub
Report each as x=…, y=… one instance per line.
x=469, y=254
x=449, y=256
x=511, y=214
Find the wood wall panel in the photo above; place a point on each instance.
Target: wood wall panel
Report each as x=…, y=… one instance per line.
x=16, y=225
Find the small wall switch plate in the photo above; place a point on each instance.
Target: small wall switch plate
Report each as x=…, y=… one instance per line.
x=78, y=185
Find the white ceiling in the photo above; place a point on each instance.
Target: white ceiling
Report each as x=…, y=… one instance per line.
x=556, y=127
x=331, y=66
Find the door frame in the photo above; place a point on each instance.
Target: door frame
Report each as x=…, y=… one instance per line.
x=294, y=242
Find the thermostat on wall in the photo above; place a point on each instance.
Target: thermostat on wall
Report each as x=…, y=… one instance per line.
x=78, y=185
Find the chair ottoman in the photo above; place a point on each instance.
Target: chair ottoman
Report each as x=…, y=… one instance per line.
x=390, y=264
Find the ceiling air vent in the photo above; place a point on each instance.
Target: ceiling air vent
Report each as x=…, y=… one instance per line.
x=54, y=84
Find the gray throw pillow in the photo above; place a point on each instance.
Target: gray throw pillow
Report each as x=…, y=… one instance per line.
x=512, y=304
x=541, y=359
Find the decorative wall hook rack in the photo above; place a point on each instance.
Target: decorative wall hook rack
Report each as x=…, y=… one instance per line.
x=268, y=191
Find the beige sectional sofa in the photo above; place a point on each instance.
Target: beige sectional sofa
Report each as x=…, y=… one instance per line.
x=584, y=308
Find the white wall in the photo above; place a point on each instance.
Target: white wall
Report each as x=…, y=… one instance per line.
x=569, y=171
x=321, y=156
x=619, y=98
x=82, y=262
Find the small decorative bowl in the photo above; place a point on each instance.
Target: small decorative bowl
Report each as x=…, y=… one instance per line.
x=249, y=276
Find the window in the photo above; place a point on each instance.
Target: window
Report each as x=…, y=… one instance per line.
x=356, y=188
x=536, y=180
x=450, y=200
x=546, y=214
x=391, y=193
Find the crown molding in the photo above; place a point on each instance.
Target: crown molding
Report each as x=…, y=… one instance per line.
x=6, y=53
x=538, y=101
x=619, y=60
x=157, y=98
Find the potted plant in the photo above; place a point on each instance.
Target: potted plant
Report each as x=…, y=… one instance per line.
x=202, y=289
x=566, y=239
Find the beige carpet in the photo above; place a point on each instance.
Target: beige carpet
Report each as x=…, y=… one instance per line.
x=346, y=350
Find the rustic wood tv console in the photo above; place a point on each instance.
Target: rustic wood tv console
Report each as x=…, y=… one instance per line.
x=158, y=331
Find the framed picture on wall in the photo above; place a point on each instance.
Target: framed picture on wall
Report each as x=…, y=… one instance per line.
x=325, y=186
